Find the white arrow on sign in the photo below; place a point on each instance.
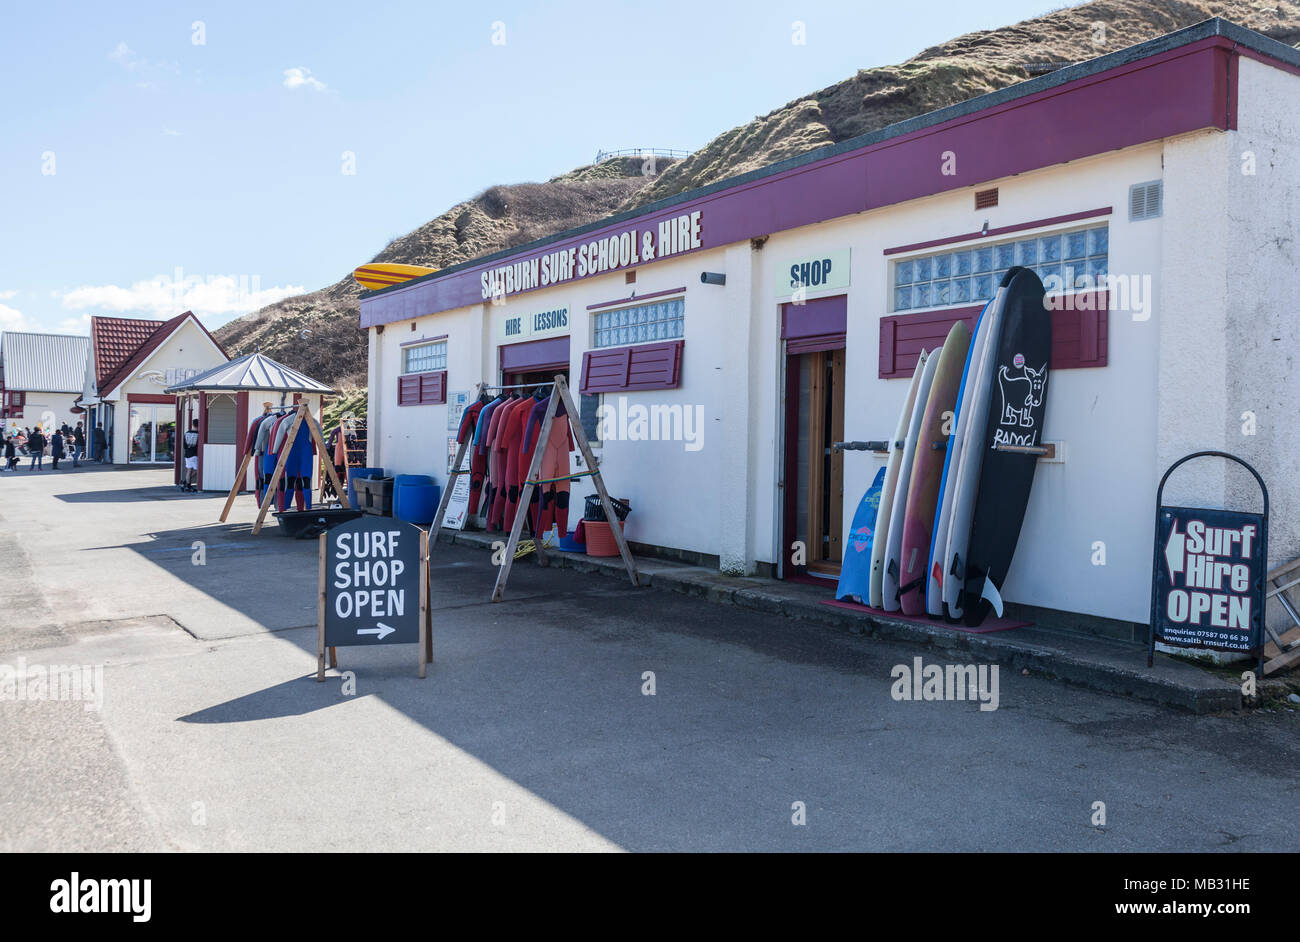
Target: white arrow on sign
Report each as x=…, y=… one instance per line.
x=1174, y=550
x=383, y=631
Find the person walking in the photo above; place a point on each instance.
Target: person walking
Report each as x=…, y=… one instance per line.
x=191, y=455
x=99, y=441
x=36, y=448
x=11, y=453
x=78, y=445
x=56, y=448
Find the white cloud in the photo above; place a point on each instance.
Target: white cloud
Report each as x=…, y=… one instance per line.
x=12, y=319
x=166, y=296
x=123, y=55
x=168, y=132
x=302, y=77
x=6, y=295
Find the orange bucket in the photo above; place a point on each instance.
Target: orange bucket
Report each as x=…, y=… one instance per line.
x=600, y=539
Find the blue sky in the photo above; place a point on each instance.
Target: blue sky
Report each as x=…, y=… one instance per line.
x=143, y=172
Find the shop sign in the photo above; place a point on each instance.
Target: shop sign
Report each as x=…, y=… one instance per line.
x=373, y=586
x=625, y=249
x=813, y=274
x=168, y=377
x=515, y=328
x=1208, y=579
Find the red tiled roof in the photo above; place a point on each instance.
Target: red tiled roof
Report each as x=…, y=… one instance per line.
x=118, y=332
x=114, y=340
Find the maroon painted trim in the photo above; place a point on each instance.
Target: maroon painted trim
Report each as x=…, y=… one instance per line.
x=436, y=398
x=412, y=343
x=1231, y=103
x=636, y=297
x=1260, y=57
x=544, y=354
x=241, y=434
x=150, y=397
x=1161, y=96
x=1003, y=230
x=816, y=343
x=815, y=318
x=789, y=510
x=203, y=437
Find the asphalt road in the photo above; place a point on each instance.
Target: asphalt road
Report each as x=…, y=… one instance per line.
x=533, y=730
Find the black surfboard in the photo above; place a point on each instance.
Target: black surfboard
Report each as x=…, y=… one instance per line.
x=1017, y=408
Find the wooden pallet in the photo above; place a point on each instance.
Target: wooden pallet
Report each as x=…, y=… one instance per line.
x=1282, y=651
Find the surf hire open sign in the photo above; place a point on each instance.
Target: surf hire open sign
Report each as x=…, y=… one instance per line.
x=1208, y=586
x=374, y=588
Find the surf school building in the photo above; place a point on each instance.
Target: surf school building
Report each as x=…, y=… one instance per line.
x=724, y=339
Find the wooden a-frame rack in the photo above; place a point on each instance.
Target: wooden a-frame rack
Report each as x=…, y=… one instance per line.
x=303, y=416
x=559, y=393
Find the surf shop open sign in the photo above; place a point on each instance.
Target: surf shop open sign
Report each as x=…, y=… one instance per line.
x=1209, y=585
x=374, y=586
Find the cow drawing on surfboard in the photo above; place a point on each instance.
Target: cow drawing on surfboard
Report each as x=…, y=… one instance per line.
x=1021, y=394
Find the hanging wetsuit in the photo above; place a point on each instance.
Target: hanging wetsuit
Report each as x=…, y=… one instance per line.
x=477, y=463
x=496, y=467
x=480, y=448
x=261, y=445
x=508, y=433
x=297, y=472
x=552, y=499
x=274, y=440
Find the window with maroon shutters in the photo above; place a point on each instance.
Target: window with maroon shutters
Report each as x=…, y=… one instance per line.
x=422, y=389
x=626, y=369
x=1080, y=329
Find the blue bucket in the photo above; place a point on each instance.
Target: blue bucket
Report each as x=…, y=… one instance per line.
x=416, y=503
x=353, y=475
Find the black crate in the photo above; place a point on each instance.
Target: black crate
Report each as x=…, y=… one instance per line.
x=594, y=510
x=375, y=496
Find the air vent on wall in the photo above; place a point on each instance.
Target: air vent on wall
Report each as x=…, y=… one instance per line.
x=986, y=198
x=1145, y=199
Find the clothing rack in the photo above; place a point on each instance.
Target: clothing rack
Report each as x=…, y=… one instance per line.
x=559, y=394
x=304, y=416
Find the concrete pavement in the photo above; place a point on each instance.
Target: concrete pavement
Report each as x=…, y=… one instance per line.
x=532, y=731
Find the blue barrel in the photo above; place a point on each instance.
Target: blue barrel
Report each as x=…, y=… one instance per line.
x=353, y=475
x=402, y=479
x=416, y=503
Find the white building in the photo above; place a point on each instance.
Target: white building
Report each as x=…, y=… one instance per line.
x=40, y=379
x=130, y=365
x=1169, y=172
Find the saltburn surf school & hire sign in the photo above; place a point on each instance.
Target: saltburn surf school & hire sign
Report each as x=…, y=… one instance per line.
x=1209, y=565
x=373, y=587
x=625, y=249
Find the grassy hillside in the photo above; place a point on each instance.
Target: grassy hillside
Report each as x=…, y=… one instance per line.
x=319, y=332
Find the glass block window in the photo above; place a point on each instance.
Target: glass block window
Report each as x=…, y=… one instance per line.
x=1064, y=260
x=425, y=357
x=645, y=323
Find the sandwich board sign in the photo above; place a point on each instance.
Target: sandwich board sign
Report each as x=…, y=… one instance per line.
x=374, y=588
x=1208, y=579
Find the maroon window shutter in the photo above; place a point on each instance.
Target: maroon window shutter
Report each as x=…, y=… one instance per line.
x=1079, y=334
x=408, y=390
x=433, y=388
x=647, y=366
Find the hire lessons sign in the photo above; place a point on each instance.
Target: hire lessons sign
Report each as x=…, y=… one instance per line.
x=373, y=585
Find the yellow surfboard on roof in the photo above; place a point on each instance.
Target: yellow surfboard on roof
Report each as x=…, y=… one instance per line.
x=385, y=274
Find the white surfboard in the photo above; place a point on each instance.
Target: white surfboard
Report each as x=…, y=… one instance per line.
x=956, y=444
x=968, y=470
x=892, y=468
x=889, y=581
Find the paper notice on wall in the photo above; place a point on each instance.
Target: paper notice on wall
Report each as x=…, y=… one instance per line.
x=458, y=504
x=456, y=403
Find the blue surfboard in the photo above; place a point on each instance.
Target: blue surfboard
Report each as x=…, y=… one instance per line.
x=855, y=571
